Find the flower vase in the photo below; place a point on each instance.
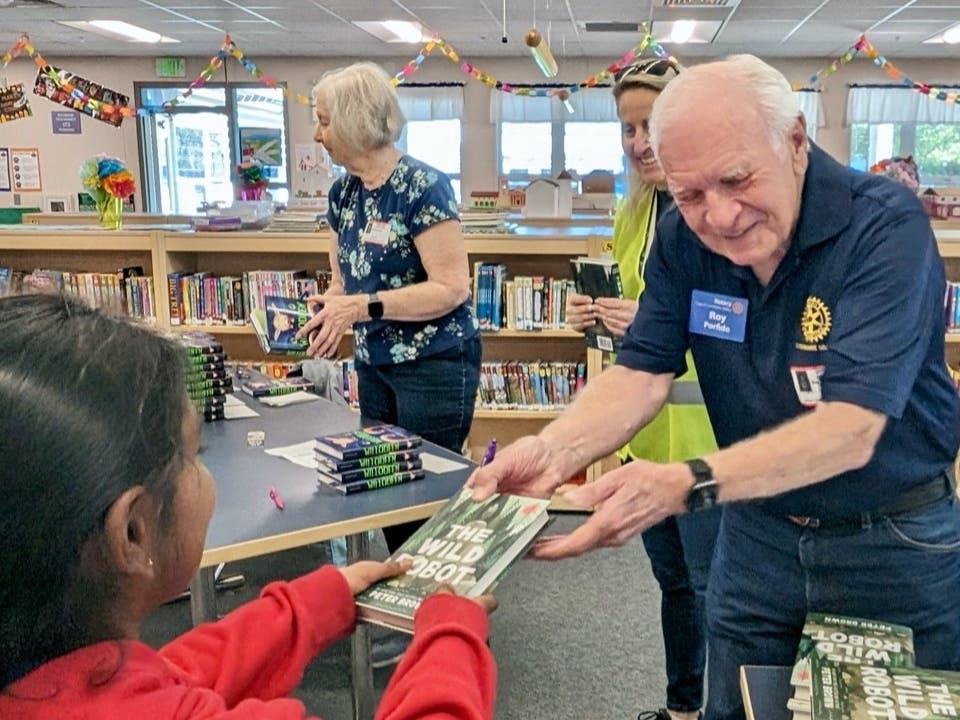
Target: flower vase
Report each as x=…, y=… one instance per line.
x=251, y=193
x=111, y=213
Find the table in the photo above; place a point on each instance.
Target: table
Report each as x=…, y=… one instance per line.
x=765, y=690
x=247, y=524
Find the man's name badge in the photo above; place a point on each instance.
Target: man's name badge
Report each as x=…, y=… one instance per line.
x=376, y=232
x=718, y=316
x=806, y=381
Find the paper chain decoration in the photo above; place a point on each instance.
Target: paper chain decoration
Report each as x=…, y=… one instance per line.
x=863, y=47
x=229, y=49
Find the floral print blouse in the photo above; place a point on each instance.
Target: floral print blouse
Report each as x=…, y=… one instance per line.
x=375, y=251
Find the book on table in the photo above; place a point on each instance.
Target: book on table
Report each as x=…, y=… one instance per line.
x=277, y=324
x=258, y=385
x=832, y=638
x=376, y=482
x=845, y=691
x=366, y=442
x=467, y=545
x=598, y=277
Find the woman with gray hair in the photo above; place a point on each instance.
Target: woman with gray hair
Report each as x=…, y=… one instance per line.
x=400, y=276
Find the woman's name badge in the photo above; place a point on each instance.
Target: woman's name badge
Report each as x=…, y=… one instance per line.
x=718, y=316
x=376, y=232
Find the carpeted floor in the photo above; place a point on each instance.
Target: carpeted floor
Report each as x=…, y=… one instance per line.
x=573, y=640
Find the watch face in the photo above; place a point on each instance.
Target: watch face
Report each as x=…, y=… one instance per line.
x=702, y=496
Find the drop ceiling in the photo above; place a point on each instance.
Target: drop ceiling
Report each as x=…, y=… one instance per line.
x=323, y=28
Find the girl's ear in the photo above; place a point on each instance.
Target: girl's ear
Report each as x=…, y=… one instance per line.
x=127, y=533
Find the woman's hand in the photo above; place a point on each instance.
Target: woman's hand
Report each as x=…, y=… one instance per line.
x=616, y=314
x=365, y=573
x=580, y=312
x=487, y=602
x=337, y=314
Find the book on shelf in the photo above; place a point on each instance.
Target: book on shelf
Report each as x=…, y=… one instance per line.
x=831, y=638
x=467, y=545
x=367, y=442
x=257, y=385
x=277, y=324
x=364, y=484
x=845, y=691
x=598, y=277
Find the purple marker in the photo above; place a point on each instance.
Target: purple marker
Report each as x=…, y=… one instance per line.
x=490, y=452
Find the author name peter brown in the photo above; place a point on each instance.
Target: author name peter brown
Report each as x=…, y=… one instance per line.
x=391, y=598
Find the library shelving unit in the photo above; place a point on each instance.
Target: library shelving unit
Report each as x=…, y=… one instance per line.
x=78, y=249
x=948, y=240
x=532, y=250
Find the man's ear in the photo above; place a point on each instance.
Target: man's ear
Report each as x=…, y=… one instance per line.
x=128, y=531
x=798, y=144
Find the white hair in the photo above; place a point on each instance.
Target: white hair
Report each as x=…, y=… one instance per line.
x=775, y=98
x=363, y=106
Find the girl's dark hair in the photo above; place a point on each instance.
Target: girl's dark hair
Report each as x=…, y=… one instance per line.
x=90, y=406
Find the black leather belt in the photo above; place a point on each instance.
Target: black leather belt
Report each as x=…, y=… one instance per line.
x=928, y=493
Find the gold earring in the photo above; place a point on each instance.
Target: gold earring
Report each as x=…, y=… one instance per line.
x=150, y=561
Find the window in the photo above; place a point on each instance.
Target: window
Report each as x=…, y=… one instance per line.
x=433, y=130
x=188, y=152
x=888, y=121
x=539, y=136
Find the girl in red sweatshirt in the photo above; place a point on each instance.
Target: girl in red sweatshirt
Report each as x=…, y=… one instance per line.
x=104, y=506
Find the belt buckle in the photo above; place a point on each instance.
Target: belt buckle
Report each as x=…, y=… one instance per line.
x=804, y=521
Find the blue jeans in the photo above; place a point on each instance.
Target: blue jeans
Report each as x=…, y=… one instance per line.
x=432, y=396
x=681, y=550
x=768, y=573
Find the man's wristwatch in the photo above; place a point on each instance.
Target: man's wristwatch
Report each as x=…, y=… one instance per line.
x=703, y=494
x=374, y=306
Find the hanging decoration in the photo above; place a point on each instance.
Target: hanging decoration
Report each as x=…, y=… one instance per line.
x=864, y=47
x=541, y=53
x=111, y=112
x=13, y=103
x=561, y=93
x=229, y=49
x=87, y=97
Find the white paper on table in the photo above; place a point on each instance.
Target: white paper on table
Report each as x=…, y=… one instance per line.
x=298, y=396
x=300, y=454
x=234, y=408
x=439, y=465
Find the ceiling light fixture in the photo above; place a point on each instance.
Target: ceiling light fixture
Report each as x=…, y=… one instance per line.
x=120, y=29
x=952, y=35
x=395, y=31
x=682, y=31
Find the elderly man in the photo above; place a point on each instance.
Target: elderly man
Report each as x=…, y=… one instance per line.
x=811, y=297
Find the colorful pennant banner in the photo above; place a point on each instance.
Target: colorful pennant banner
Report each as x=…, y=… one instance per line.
x=229, y=49
x=562, y=93
x=863, y=47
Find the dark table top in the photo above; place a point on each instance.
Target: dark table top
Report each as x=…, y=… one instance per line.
x=246, y=523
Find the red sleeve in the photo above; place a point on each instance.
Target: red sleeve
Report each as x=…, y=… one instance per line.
x=448, y=671
x=260, y=649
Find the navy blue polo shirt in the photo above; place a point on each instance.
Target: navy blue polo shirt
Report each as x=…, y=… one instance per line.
x=855, y=309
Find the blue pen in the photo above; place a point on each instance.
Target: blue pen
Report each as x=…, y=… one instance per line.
x=490, y=452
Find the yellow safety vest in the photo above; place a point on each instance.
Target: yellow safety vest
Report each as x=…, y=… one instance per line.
x=681, y=430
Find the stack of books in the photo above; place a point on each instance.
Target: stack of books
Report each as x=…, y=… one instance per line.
x=208, y=382
x=257, y=384
x=850, y=668
x=367, y=459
